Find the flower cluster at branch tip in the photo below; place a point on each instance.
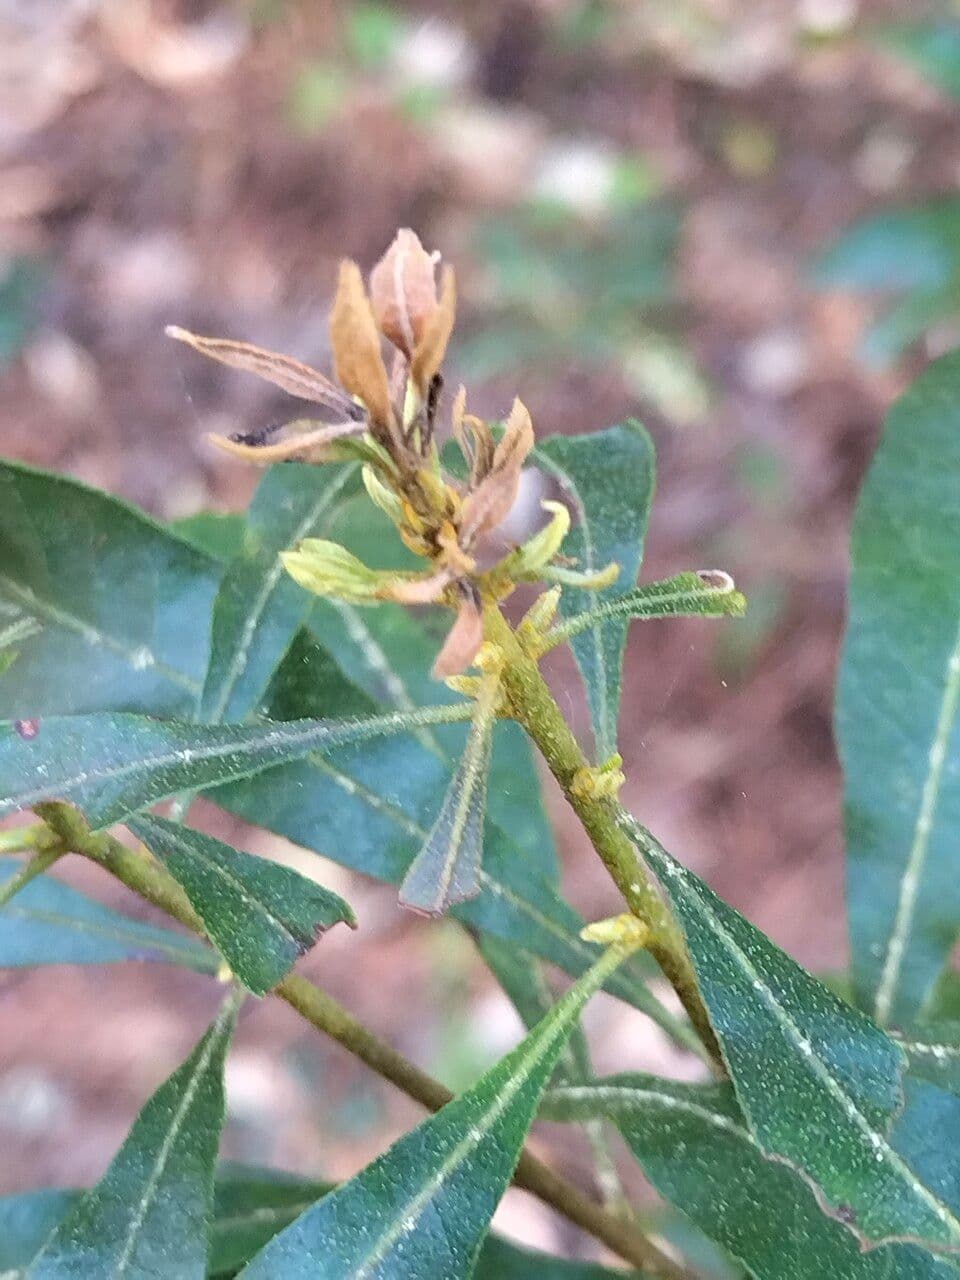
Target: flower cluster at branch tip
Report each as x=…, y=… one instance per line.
x=386, y=421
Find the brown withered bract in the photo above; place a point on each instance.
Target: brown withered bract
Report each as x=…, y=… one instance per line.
x=463, y=639
x=403, y=291
x=386, y=422
x=357, y=357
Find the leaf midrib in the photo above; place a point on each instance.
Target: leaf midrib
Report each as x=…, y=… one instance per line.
x=569, y=484
x=341, y=731
x=268, y=586
x=95, y=637
x=406, y=1220
x=170, y=1137
x=875, y=1140
x=922, y=831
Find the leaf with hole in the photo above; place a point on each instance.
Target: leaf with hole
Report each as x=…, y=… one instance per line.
x=423, y=1208
x=608, y=478
x=819, y=1083
x=149, y=1214
x=260, y=916
x=898, y=704
x=48, y=922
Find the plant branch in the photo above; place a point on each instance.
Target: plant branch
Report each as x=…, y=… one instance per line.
x=36, y=866
x=534, y=706
x=153, y=883
x=37, y=836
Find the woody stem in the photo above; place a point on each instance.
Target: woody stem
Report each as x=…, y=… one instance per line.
x=533, y=705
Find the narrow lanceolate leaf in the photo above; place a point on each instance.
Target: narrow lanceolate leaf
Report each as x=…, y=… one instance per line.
x=50, y=923
x=608, y=476
x=149, y=1215
x=369, y=808
x=447, y=868
x=26, y=1221
x=838, y=1077
x=387, y=653
x=249, y=1208
x=261, y=916
x=259, y=608
x=110, y=608
x=898, y=703
x=697, y=1151
x=708, y=593
x=934, y=1054
x=501, y=1260
x=113, y=764
x=424, y=1207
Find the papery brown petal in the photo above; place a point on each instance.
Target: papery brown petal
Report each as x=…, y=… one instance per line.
x=403, y=291
x=517, y=439
x=420, y=590
x=305, y=445
x=463, y=640
x=457, y=410
x=290, y=375
x=356, y=346
x=484, y=448
x=491, y=500
x=432, y=346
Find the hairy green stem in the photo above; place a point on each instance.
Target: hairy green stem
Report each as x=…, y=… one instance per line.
x=534, y=706
x=155, y=884
x=39, y=863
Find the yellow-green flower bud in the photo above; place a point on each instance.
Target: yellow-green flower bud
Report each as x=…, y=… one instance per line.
x=327, y=569
x=384, y=498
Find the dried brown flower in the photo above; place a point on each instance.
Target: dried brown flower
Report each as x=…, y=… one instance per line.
x=357, y=357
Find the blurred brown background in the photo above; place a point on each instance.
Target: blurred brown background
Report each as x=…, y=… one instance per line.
x=633, y=195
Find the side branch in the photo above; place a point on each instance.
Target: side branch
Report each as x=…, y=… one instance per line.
x=153, y=883
x=535, y=707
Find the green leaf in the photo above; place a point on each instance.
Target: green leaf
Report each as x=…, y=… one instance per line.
x=25, y=1222
x=387, y=653
x=261, y=916
x=838, y=1077
x=116, y=604
x=709, y=593
x=932, y=46
x=370, y=809
x=447, y=868
x=113, y=764
x=423, y=1208
x=149, y=1214
x=522, y=978
x=249, y=1207
x=608, y=476
x=934, y=1054
x=501, y=1260
x=259, y=608
x=698, y=1153
x=50, y=923
x=897, y=704
x=899, y=251
x=218, y=534
x=21, y=283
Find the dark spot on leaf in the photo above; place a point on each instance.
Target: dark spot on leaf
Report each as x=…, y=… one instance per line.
x=27, y=728
x=846, y=1213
